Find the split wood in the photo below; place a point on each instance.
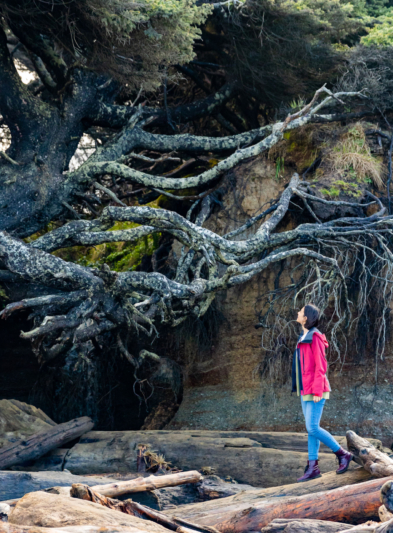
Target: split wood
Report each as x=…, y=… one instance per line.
x=84, y=492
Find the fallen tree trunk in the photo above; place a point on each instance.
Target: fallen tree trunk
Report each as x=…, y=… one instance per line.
x=147, y=491
x=280, y=440
x=282, y=525
x=148, y=483
x=241, y=458
x=349, y=504
x=49, y=510
x=40, y=443
x=378, y=463
x=135, y=509
x=6, y=527
x=328, y=481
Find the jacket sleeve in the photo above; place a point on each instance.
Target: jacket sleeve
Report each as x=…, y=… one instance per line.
x=318, y=351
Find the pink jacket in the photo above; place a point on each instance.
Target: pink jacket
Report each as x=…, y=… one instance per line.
x=313, y=363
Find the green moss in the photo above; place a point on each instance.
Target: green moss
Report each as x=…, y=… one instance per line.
x=351, y=189
x=340, y=186
x=331, y=193
x=119, y=256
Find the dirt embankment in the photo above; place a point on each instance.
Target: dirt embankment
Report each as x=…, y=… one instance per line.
x=226, y=391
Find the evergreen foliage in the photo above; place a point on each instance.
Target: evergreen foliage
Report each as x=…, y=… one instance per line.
x=132, y=41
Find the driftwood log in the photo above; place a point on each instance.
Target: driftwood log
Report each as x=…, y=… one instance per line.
x=40, y=443
x=158, y=492
x=246, y=498
x=49, y=510
x=348, y=504
x=84, y=492
x=6, y=527
x=148, y=483
x=372, y=527
x=282, y=525
x=378, y=463
x=244, y=459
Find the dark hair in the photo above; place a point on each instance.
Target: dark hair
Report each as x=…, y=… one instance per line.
x=312, y=313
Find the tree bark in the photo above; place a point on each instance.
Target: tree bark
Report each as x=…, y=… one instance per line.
x=351, y=504
x=39, y=444
x=378, y=463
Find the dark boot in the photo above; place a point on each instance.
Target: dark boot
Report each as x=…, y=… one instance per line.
x=344, y=458
x=311, y=471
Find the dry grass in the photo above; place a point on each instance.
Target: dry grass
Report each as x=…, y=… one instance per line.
x=353, y=154
x=154, y=460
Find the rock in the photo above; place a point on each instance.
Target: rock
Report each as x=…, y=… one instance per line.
x=49, y=510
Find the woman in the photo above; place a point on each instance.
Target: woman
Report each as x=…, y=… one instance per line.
x=311, y=384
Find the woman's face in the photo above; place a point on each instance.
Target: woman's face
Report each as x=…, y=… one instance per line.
x=301, y=318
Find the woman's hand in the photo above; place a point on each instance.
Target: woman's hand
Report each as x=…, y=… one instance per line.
x=317, y=399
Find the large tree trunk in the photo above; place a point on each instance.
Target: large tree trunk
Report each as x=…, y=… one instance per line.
x=241, y=458
x=39, y=444
x=135, y=509
x=49, y=510
x=378, y=463
x=327, y=481
x=351, y=504
x=281, y=440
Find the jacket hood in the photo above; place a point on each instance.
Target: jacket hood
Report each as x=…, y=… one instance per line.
x=314, y=331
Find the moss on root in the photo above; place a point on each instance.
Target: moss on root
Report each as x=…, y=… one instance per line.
x=119, y=256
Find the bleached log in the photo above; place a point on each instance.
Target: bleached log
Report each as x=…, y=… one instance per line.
x=148, y=483
x=378, y=463
x=244, y=459
x=40, y=443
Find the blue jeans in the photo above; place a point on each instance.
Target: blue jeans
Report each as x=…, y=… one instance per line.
x=312, y=414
